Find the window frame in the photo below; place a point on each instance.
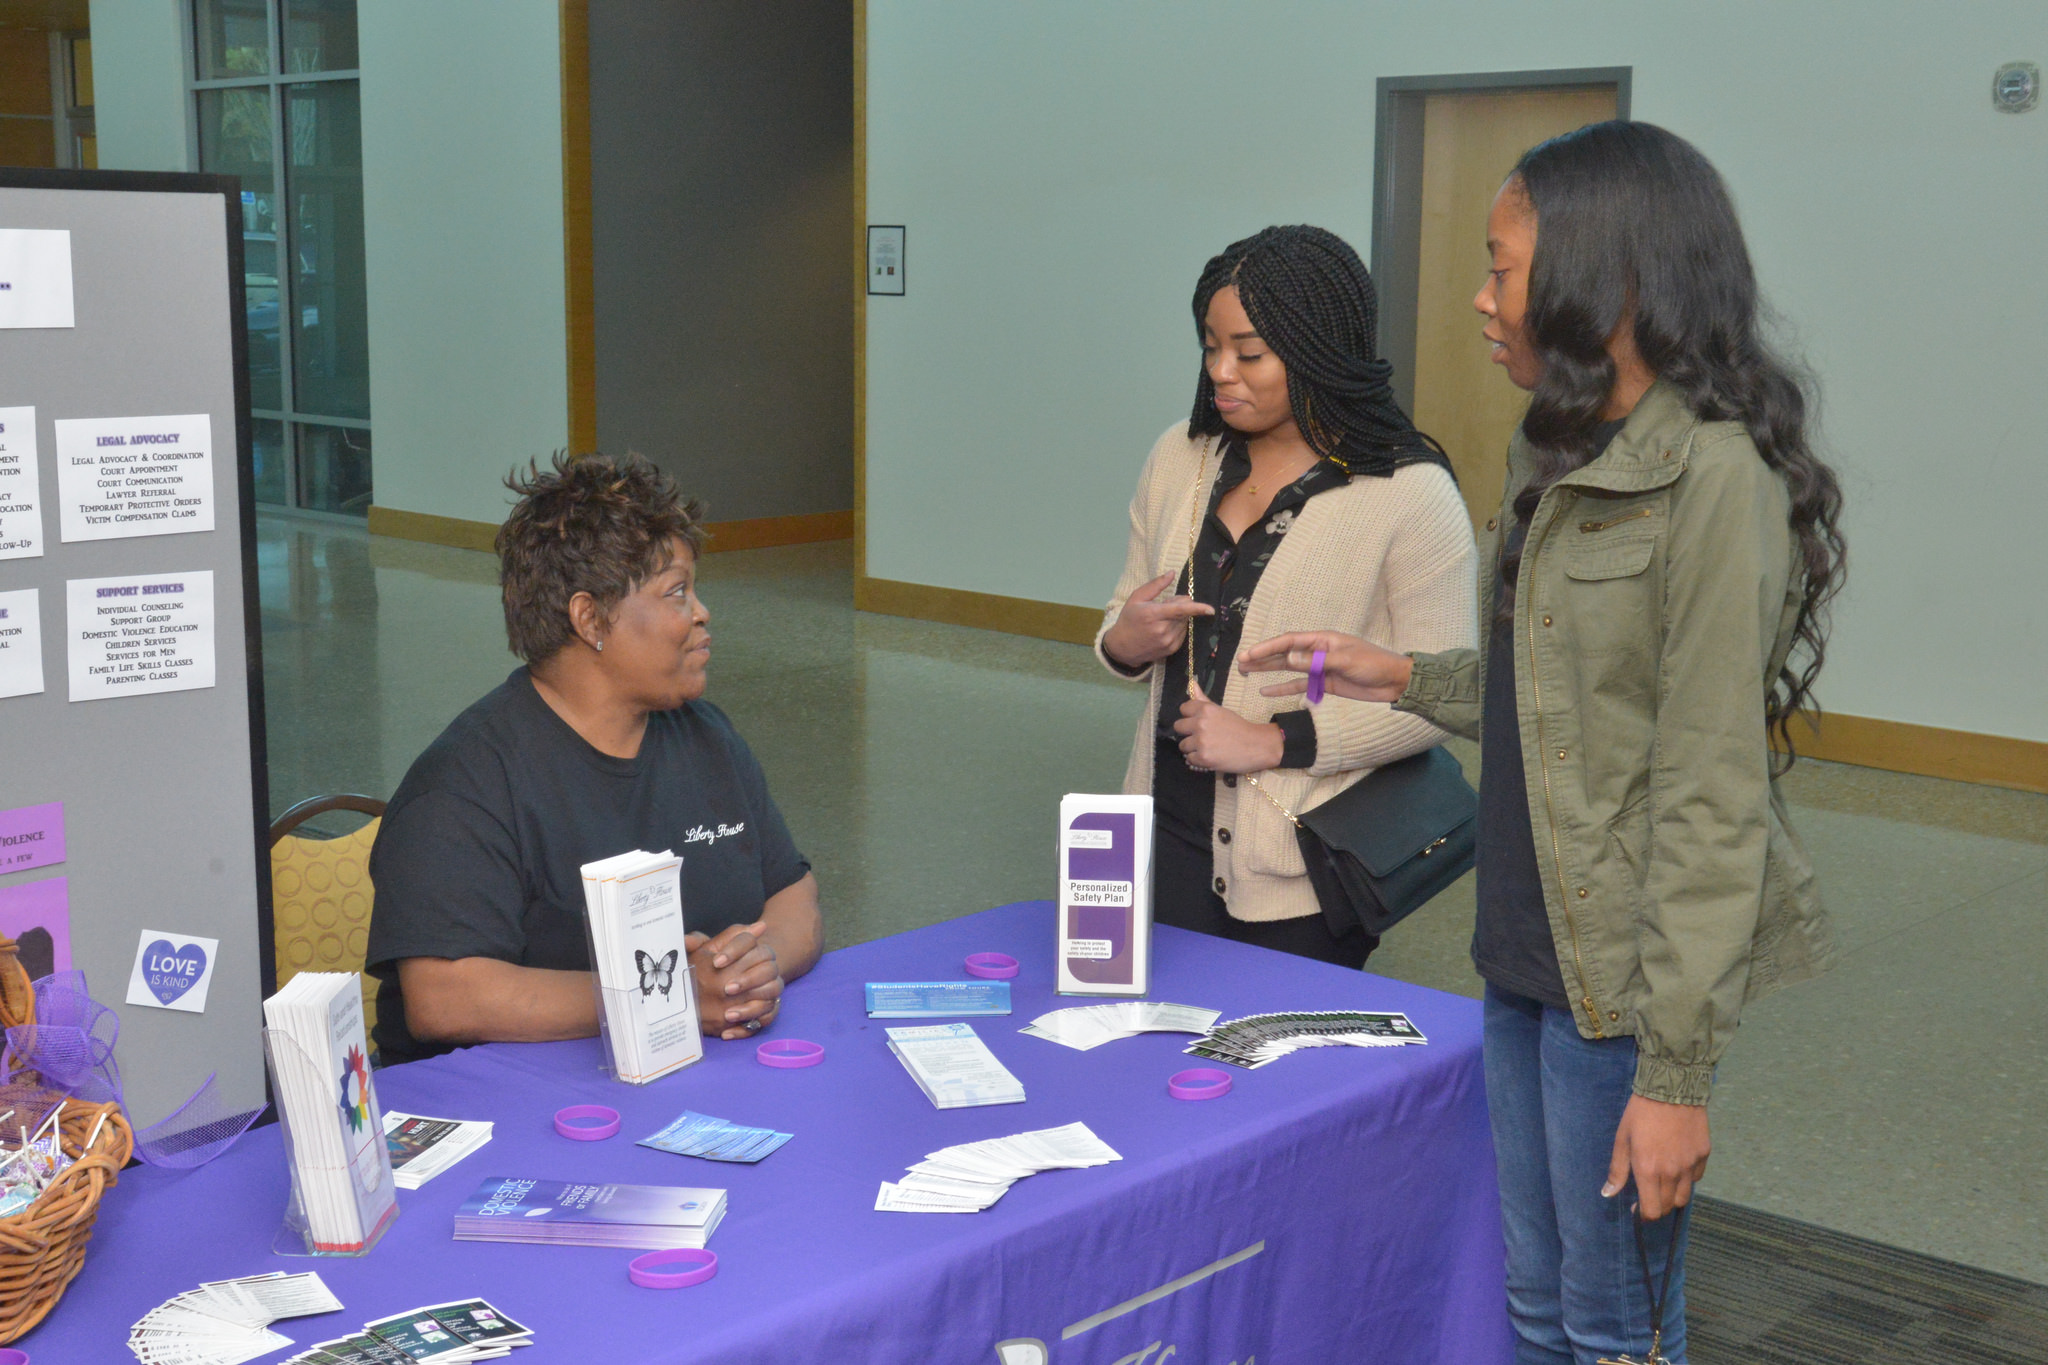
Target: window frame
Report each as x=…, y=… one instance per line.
x=289, y=415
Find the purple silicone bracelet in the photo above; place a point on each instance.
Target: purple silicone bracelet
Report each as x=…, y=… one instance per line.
x=607, y=1122
x=646, y=1271
x=1315, y=676
x=790, y=1053
x=11, y=1356
x=1200, y=1083
x=992, y=966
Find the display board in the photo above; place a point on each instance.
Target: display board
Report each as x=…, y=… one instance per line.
x=133, y=799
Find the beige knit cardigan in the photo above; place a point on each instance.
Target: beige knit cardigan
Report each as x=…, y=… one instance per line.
x=1388, y=559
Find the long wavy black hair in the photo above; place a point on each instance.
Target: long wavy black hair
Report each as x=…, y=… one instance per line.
x=1634, y=223
x=1312, y=300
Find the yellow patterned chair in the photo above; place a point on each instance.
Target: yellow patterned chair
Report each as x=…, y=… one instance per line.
x=320, y=894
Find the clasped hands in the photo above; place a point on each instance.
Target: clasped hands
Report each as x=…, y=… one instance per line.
x=738, y=979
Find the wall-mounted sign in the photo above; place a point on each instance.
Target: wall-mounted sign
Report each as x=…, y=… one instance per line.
x=885, y=259
x=35, y=277
x=21, y=516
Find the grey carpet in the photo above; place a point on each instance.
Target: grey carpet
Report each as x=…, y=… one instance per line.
x=1765, y=1290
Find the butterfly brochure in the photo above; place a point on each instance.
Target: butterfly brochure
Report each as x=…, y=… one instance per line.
x=647, y=1006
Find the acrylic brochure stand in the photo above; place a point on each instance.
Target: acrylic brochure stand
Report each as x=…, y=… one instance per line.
x=618, y=1002
x=330, y=1212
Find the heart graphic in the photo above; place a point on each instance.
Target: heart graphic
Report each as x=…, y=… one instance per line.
x=169, y=972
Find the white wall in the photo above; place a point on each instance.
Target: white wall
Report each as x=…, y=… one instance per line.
x=462, y=191
x=139, y=70
x=1065, y=167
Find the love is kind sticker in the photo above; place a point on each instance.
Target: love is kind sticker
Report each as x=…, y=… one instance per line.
x=172, y=971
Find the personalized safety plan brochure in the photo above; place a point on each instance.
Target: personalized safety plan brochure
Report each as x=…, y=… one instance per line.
x=1105, y=908
x=647, y=1005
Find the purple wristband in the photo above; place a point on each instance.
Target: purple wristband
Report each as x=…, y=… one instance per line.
x=789, y=1053
x=607, y=1122
x=647, y=1271
x=1315, y=676
x=992, y=966
x=1200, y=1083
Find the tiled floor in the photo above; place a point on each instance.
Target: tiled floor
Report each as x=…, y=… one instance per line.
x=1903, y=1098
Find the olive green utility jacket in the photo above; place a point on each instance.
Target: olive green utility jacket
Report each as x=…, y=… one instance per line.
x=1656, y=599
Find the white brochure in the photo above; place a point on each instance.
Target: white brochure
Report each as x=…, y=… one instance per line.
x=35, y=277
x=21, y=511
x=21, y=643
x=134, y=476
x=152, y=633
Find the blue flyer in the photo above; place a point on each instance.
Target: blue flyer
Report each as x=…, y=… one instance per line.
x=926, y=999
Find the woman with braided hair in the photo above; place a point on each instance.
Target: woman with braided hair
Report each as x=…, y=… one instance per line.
x=1657, y=585
x=1298, y=496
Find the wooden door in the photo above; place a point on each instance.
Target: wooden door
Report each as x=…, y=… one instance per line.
x=1470, y=141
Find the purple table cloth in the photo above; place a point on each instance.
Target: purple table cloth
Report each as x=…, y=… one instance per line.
x=1337, y=1205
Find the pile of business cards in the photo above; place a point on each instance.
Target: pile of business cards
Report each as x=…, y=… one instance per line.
x=953, y=1066
x=970, y=1177
x=445, y=1333
x=422, y=1148
x=228, y=1321
x=1257, y=1039
x=1087, y=1026
x=713, y=1139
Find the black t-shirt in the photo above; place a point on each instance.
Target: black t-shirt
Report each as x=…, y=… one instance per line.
x=1512, y=945
x=481, y=850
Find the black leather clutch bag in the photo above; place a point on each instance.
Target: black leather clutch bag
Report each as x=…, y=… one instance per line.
x=1381, y=848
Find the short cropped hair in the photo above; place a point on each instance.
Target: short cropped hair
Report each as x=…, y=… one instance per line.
x=589, y=523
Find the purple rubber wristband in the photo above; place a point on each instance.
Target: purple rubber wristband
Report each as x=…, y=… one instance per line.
x=646, y=1271
x=991, y=966
x=790, y=1053
x=10, y=1355
x=606, y=1116
x=1315, y=676
x=1200, y=1083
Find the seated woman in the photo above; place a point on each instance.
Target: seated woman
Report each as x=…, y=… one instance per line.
x=601, y=744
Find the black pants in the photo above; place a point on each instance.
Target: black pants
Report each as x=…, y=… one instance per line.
x=1183, y=896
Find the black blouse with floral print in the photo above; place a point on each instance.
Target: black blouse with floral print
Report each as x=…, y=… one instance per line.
x=1227, y=573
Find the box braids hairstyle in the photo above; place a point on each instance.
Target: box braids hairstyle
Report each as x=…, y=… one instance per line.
x=1313, y=302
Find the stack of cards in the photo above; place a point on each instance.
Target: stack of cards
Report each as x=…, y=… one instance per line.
x=226, y=1322
x=446, y=1333
x=697, y=1134
x=953, y=1066
x=1089, y=1026
x=970, y=1177
x=1257, y=1039
x=651, y=1217
x=422, y=1148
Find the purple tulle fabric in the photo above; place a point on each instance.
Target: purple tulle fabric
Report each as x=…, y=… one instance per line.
x=71, y=1048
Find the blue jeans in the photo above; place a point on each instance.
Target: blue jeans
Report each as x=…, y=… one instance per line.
x=1575, y=1282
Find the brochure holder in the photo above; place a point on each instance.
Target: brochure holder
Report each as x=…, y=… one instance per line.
x=375, y=1208
x=619, y=999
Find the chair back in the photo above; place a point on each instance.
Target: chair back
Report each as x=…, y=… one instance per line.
x=321, y=896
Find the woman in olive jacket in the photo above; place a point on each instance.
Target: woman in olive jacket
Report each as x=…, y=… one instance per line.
x=1666, y=547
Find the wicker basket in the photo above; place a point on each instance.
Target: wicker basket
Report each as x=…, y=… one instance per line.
x=43, y=1246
